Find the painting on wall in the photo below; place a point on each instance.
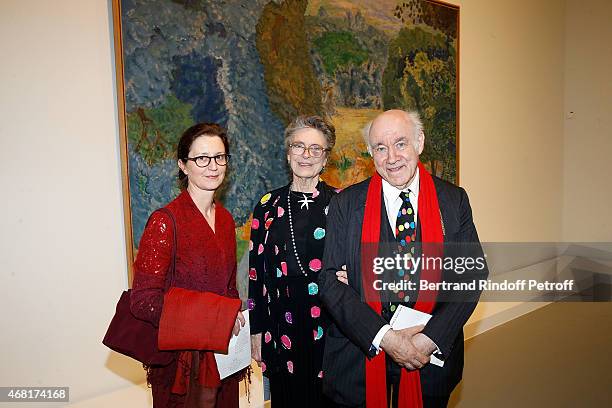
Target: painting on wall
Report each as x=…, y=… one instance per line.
x=253, y=65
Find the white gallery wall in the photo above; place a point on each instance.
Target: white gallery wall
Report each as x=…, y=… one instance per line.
x=511, y=128
x=587, y=141
x=511, y=119
x=61, y=233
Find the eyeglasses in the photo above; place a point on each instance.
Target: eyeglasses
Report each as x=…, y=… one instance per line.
x=313, y=150
x=203, y=161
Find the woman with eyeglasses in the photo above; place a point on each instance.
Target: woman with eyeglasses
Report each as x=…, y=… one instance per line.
x=286, y=248
x=202, y=314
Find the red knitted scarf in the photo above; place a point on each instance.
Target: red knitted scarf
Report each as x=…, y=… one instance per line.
x=431, y=232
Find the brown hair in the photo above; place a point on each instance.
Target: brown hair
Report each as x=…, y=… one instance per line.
x=187, y=139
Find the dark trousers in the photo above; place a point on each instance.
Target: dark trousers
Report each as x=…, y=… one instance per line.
x=393, y=382
x=288, y=391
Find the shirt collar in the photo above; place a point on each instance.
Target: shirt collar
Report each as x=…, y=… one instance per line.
x=391, y=193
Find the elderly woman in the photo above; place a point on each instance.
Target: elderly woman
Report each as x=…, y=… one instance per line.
x=197, y=315
x=287, y=241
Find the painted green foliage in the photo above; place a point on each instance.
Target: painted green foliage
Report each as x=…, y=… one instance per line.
x=421, y=75
x=343, y=163
x=154, y=132
x=283, y=47
x=339, y=49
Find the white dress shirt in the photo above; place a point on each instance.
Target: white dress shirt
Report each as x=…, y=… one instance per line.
x=393, y=203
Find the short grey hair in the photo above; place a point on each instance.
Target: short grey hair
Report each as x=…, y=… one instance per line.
x=311, y=122
x=411, y=116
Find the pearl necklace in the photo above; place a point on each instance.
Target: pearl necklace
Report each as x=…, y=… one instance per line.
x=297, y=258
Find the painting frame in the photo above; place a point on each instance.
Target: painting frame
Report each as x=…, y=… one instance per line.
x=123, y=120
x=123, y=141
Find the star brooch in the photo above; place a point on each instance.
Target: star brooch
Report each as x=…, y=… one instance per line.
x=305, y=201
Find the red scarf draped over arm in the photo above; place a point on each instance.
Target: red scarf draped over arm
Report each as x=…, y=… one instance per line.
x=193, y=320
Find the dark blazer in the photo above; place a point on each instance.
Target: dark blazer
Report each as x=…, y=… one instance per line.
x=355, y=324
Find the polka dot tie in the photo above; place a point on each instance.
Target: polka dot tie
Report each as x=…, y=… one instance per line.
x=404, y=226
x=405, y=235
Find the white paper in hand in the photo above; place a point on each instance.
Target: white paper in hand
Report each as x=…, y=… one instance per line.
x=239, y=351
x=405, y=317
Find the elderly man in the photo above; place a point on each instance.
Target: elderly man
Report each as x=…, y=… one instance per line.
x=366, y=363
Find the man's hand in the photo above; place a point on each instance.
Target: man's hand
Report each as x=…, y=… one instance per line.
x=256, y=348
x=240, y=322
x=342, y=275
x=399, y=345
x=424, y=344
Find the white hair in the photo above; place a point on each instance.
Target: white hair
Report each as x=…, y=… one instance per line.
x=411, y=116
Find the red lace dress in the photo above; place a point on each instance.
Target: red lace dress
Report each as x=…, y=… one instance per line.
x=205, y=262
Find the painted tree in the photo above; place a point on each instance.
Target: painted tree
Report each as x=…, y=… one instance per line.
x=438, y=16
x=154, y=132
x=284, y=51
x=421, y=75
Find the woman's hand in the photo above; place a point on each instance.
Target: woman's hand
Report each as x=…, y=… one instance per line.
x=342, y=275
x=256, y=348
x=238, y=323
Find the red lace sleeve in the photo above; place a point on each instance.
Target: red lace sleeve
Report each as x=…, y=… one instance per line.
x=150, y=268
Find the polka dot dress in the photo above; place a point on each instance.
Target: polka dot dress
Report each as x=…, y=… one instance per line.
x=283, y=293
